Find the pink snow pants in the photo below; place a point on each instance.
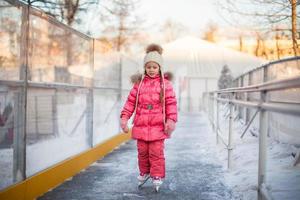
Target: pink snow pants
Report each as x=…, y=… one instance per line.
x=151, y=157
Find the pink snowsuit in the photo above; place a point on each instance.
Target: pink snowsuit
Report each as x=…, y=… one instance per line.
x=148, y=126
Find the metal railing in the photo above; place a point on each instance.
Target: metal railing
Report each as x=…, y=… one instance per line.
x=262, y=105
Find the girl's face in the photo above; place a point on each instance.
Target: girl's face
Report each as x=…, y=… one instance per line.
x=152, y=69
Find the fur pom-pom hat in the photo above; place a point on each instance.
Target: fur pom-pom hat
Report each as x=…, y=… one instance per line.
x=154, y=54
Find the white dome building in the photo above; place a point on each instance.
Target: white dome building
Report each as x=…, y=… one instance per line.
x=197, y=65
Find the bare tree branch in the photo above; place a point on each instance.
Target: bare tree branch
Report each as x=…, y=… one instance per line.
x=275, y=13
x=120, y=21
x=63, y=10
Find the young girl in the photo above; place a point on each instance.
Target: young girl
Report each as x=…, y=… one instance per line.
x=153, y=100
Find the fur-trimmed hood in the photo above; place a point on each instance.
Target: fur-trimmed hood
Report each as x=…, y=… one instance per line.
x=135, y=78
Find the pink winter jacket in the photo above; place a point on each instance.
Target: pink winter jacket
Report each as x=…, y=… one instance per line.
x=148, y=123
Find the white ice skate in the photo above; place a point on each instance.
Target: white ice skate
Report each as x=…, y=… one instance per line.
x=143, y=179
x=157, y=183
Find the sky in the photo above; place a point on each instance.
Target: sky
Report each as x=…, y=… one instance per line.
x=194, y=14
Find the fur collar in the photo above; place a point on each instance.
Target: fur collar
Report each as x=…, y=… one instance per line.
x=135, y=78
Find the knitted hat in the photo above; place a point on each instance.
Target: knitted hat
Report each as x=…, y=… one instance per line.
x=153, y=53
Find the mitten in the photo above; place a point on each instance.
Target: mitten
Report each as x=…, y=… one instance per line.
x=123, y=124
x=170, y=126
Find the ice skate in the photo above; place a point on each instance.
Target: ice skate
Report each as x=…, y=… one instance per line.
x=142, y=178
x=157, y=183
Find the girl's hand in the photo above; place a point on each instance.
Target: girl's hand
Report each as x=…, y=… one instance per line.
x=123, y=124
x=170, y=126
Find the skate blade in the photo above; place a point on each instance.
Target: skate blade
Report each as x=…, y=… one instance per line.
x=157, y=189
x=142, y=183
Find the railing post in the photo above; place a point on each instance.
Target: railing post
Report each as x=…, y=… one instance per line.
x=250, y=78
x=230, y=134
x=189, y=94
x=90, y=101
x=179, y=93
x=54, y=113
x=20, y=104
x=242, y=108
x=217, y=120
x=19, y=140
x=120, y=77
x=239, y=96
x=213, y=111
x=89, y=116
x=208, y=105
x=263, y=127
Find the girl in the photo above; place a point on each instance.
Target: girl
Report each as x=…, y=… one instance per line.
x=153, y=100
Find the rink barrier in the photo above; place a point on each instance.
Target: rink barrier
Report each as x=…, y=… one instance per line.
x=262, y=106
x=37, y=185
x=26, y=79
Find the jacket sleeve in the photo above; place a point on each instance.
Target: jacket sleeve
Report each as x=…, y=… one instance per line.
x=171, y=102
x=129, y=106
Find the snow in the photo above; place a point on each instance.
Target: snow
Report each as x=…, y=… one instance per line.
x=70, y=139
x=282, y=178
x=49, y=152
x=106, y=115
x=69, y=142
x=6, y=167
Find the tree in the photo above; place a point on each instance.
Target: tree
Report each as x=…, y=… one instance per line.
x=210, y=33
x=66, y=11
x=9, y=32
x=120, y=21
x=294, y=16
x=225, y=79
x=120, y=25
x=260, y=49
x=264, y=15
x=172, y=30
